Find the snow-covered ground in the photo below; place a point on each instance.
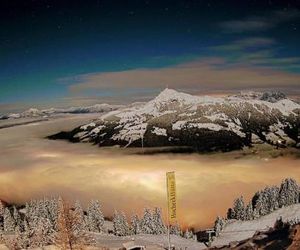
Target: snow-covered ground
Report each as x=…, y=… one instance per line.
x=150, y=241
x=240, y=230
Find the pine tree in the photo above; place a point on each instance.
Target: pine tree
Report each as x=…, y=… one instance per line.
x=255, y=214
x=117, y=224
x=147, y=222
x=289, y=192
x=219, y=225
x=1, y=215
x=79, y=214
x=8, y=223
x=249, y=212
x=230, y=214
x=261, y=204
x=17, y=219
x=53, y=212
x=124, y=224
x=239, y=208
x=95, y=218
x=42, y=234
x=66, y=238
x=175, y=229
x=121, y=227
x=157, y=222
x=26, y=235
x=272, y=198
x=135, y=225
x=189, y=234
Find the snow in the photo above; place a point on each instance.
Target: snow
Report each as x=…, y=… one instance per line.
x=272, y=137
x=159, y=131
x=85, y=127
x=235, y=128
x=255, y=139
x=240, y=230
x=210, y=126
x=178, y=125
x=218, y=116
x=97, y=129
x=131, y=133
x=131, y=121
x=156, y=242
x=34, y=112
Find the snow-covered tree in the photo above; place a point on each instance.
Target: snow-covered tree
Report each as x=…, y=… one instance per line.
x=53, y=212
x=289, y=192
x=249, y=212
x=157, y=222
x=42, y=234
x=188, y=234
x=79, y=215
x=126, y=227
x=1, y=215
x=219, y=225
x=261, y=204
x=9, y=223
x=17, y=218
x=230, y=214
x=135, y=224
x=147, y=222
x=95, y=218
x=120, y=224
x=66, y=238
x=239, y=208
x=175, y=229
x=255, y=214
x=273, y=195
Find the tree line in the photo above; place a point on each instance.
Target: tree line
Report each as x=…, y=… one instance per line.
x=262, y=203
x=55, y=222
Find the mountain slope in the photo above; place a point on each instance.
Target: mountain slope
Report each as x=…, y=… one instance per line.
x=241, y=230
x=201, y=122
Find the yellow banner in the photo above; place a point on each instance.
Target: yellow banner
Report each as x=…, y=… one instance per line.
x=171, y=189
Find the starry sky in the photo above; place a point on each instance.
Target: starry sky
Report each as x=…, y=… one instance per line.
x=66, y=53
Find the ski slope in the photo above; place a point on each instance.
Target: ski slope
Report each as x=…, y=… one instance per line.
x=241, y=230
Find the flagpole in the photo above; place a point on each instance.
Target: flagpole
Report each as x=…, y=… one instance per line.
x=168, y=213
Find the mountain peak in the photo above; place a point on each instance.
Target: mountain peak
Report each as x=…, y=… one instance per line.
x=171, y=94
x=168, y=92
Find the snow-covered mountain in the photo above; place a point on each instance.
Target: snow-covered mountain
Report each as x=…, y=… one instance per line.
x=34, y=112
x=203, y=123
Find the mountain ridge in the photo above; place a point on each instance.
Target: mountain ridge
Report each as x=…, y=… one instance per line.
x=203, y=123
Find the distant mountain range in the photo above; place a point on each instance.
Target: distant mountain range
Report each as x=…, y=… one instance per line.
x=34, y=112
x=202, y=123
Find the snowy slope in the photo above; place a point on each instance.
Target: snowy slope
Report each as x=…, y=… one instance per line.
x=156, y=242
x=202, y=122
x=240, y=230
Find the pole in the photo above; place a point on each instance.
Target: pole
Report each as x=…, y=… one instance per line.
x=168, y=212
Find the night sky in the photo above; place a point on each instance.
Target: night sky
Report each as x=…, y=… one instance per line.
x=63, y=53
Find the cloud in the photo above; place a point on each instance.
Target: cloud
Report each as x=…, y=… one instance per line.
x=259, y=23
x=246, y=25
x=256, y=51
x=206, y=74
x=246, y=43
